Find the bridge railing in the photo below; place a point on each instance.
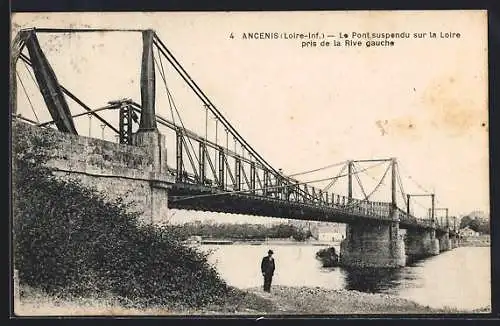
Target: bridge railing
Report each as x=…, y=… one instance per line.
x=209, y=164
x=368, y=208
x=404, y=217
x=442, y=222
x=353, y=205
x=304, y=194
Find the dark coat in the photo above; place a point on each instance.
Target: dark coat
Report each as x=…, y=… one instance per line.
x=267, y=266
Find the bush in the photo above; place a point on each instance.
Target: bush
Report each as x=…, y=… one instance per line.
x=244, y=231
x=476, y=223
x=69, y=240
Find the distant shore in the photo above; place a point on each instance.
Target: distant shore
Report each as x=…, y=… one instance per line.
x=482, y=241
x=268, y=242
x=478, y=241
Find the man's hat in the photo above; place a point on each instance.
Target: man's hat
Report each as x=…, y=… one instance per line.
x=270, y=252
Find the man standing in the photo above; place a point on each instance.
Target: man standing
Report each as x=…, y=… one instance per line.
x=267, y=268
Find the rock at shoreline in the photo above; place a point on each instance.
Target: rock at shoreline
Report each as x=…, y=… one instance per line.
x=328, y=257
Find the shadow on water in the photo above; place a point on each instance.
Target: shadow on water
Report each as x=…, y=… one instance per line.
x=412, y=261
x=372, y=280
x=381, y=280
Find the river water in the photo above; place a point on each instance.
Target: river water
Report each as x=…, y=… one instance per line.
x=459, y=278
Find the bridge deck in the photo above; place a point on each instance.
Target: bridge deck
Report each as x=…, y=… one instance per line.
x=201, y=198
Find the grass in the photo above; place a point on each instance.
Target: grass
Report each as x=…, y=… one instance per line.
x=282, y=300
x=35, y=302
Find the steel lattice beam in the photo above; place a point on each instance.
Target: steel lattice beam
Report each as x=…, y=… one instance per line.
x=49, y=86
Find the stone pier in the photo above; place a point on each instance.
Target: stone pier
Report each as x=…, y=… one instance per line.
x=131, y=172
x=444, y=242
x=154, y=143
x=421, y=244
x=373, y=245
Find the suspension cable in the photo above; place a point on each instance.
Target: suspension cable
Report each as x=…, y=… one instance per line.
x=244, y=147
x=419, y=204
x=359, y=181
x=89, y=113
x=162, y=73
x=183, y=127
x=338, y=176
x=318, y=169
x=74, y=98
x=375, y=179
x=166, y=52
x=380, y=183
x=400, y=182
x=267, y=188
x=178, y=114
x=332, y=183
x=30, y=73
x=408, y=176
x=384, y=184
x=28, y=97
x=344, y=167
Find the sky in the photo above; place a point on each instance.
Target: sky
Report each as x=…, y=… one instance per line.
x=422, y=101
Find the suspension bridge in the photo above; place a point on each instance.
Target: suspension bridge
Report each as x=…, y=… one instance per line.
x=189, y=170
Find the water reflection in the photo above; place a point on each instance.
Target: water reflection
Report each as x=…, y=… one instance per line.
x=372, y=280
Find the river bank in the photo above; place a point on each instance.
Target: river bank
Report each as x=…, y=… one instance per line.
x=477, y=241
x=309, y=300
x=267, y=242
x=283, y=300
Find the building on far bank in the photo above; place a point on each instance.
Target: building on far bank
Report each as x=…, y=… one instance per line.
x=328, y=232
x=302, y=225
x=194, y=239
x=467, y=232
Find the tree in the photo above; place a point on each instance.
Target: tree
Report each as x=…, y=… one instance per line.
x=477, y=221
x=484, y=227
x=474, y=225
x=465, y=221
x=301, y=235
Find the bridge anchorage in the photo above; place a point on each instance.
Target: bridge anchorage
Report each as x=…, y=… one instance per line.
x=161, y=164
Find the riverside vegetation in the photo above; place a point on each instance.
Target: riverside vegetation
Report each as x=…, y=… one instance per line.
x=238, y=232
x=70, y=242
x=79, y=253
